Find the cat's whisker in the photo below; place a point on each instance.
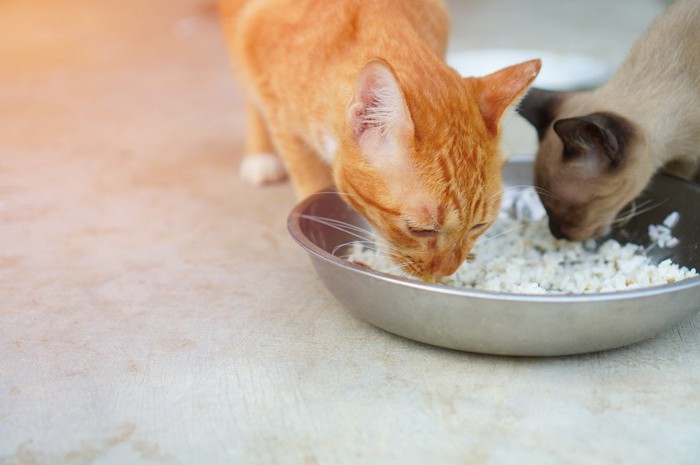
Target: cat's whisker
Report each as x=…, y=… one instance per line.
x=384, y=252
x=395, y=267
x=390, y=249
x=348, y=228
x=391, y=269
x=625, y=216
x=348, y=244
x=343, y=229
x=628, y=216
x=484, y=239
x=503, y=191
x=380, y=245
x=539, y=190
x=340, y=223
x=366, y=245
x=518, y=186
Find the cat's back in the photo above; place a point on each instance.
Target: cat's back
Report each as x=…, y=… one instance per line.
x=269, y=31
x=678, y=26
x=668, y=53
x=681, y=26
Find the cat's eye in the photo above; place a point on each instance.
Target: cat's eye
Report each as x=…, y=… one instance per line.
x=423, y=232
x=479, y=226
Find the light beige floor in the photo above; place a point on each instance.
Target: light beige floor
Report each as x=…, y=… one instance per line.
x=154, y=310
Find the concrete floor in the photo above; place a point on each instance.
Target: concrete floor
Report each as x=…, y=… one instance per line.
x=153, y=309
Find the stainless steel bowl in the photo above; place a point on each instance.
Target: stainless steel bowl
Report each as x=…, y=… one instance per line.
x=511, y=324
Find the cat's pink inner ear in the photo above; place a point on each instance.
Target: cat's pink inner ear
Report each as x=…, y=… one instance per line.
x=377, y=109
x=499, y=91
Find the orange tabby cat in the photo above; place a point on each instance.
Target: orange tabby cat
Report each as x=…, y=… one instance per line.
x=356, y=93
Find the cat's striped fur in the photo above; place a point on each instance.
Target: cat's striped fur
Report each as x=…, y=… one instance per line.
x=357, y=94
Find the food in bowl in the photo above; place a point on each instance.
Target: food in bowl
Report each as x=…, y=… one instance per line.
x=519, y=255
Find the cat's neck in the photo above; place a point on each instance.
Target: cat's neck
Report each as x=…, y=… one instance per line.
x=658, y=85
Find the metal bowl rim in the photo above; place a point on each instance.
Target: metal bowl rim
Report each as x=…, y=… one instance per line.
x=295, y=231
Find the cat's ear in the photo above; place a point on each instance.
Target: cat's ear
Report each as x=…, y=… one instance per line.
x=378, y=115
x=597, y=141
x=539, y=107
x=497, y=92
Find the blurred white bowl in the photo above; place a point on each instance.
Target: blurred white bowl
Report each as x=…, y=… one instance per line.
x=560, y=71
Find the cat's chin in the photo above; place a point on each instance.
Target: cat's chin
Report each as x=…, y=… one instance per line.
x=432, y=278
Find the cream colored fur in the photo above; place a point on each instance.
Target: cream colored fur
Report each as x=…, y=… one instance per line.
x=657, y=91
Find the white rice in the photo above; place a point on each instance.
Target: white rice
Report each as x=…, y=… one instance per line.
x=519, y=255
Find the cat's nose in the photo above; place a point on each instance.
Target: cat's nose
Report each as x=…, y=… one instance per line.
x=556, y=230
x=444, y=266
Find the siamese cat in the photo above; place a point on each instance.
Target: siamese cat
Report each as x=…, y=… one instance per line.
x=599, y=149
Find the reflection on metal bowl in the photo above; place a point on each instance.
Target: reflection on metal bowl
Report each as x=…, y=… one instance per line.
x=511, y=324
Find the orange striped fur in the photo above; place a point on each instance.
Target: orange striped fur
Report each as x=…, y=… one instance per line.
x=357, y=94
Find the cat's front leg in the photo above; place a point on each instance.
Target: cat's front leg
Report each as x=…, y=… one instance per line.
x=308, y=173
x=260, y=165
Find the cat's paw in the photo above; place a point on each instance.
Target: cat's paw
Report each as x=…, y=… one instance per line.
x=262, y=168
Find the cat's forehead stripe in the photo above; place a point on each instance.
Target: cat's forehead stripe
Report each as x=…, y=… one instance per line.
x=479, y=209
x=441, y=214
x=369, y=201
x=450, y=193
